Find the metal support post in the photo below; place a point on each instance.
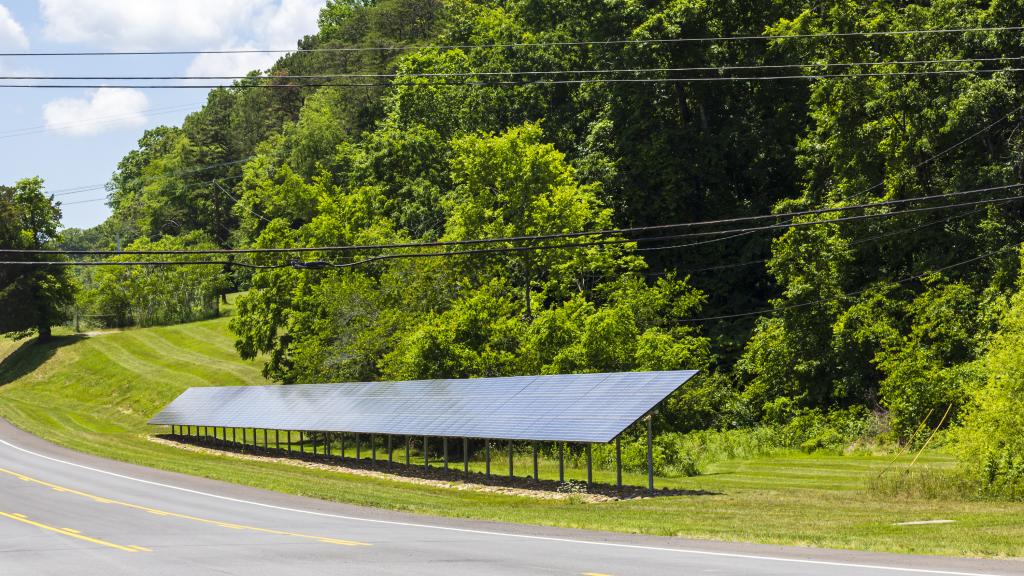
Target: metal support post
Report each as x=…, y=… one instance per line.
x=390, y=452
x=359, y=448
x=342, y=445
x=465, y=456
x=536, y=475
x=618, y=462
x=373, y=447
x=444, y=442
x=254, y=446
x=510, y=475
x=265, y=443
x=487, y=457
x=408, y=444
x=561, y=461
x=277, y=440
x=426, y=459
x=590, y=466
x=289, y=441
x=650, y=452
x=234, y=435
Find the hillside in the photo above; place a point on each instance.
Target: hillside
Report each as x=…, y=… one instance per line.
x=95, y=393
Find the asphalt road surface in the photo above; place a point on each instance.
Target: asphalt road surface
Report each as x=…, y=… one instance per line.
x=66, y=513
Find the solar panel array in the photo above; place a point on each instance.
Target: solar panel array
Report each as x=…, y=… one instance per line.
x=564, y=407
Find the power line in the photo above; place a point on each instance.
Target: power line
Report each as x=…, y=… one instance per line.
x=475, y=251
x=858, y=242
x=89, y=201
x=903, y=280
x=78, y=190
x=154, y=263
x=104, y=198
x=246, y=208
x=880, y=183
x=511, y=249
x=606, y=232
x=95, y=121
x=542, y=82
x=319, y=265
x=763, y=37
x=393, y=75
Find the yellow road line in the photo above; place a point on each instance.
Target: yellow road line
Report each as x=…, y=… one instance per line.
x=73, y=533
x=157, y=512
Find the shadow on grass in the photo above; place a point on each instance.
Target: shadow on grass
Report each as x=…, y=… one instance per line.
x=31, y=355
x=435, y=471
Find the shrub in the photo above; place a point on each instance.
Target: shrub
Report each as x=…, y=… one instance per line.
x=989, y=439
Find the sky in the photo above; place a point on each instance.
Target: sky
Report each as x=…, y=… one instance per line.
x=73, y=138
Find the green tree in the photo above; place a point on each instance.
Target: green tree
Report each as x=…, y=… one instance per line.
x=33, y=298
x=157, y=295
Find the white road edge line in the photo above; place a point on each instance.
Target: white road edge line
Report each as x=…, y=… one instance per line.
x=502, y=534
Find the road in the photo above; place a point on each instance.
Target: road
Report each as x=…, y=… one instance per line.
x=64, y=513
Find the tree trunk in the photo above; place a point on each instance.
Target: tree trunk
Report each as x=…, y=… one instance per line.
x=45, y=332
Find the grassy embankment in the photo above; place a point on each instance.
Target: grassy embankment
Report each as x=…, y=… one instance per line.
x=95, y=394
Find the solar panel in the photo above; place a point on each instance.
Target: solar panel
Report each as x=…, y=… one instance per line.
x=562, y=407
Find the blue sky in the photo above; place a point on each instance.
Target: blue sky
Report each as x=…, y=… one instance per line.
x=73, y=138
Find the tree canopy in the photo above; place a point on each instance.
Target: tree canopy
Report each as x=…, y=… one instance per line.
x=891, y=309
x=33, y=298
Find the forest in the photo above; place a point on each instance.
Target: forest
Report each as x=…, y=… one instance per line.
x=816, y=205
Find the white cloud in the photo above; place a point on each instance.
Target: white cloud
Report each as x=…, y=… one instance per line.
x=186, y=25
x=103, y=110
x=12, y=35
x=277, y=26
x=145, y=24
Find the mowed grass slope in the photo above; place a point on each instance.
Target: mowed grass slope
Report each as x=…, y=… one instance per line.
x=95, y=394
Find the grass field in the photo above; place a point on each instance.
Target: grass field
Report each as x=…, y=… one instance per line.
x=94, y=394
